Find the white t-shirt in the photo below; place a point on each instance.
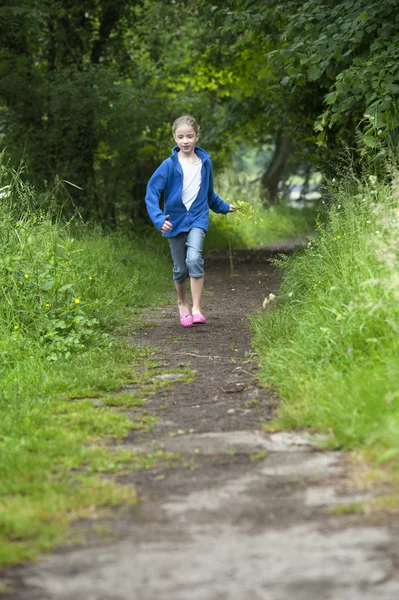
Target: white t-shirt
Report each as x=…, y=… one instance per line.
x=191, y=182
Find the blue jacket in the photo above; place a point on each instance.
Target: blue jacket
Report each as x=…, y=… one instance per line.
x=169, y=178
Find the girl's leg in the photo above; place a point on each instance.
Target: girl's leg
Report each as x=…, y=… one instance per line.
x=197, y=285
x=195, y=266
x=180, y=273
x=182, y=298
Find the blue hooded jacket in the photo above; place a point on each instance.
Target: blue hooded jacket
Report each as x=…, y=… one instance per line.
x=169, y=178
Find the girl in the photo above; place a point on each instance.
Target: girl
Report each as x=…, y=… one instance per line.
x=186, y=178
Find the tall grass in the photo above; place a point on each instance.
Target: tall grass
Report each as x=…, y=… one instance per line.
x=64, y=287
x=331, y=345
x=68, y=296
x=258, y=226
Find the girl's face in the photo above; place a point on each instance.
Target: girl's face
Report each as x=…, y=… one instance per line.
x=186, y=138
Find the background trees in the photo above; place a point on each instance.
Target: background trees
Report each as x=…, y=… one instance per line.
x=329, y=74
x=88, y=94
x=88, y=89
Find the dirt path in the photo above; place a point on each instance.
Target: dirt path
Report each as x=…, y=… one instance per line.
x=246, y=515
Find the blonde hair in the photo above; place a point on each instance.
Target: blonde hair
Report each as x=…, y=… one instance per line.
x=186, y=120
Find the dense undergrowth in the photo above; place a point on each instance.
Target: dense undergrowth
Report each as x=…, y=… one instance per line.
x=67, y=299
x=330, y=347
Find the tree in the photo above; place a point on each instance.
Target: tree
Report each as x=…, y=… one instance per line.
x=328, y=73
x=89, y=90
x=56, y=67
x=234, y=47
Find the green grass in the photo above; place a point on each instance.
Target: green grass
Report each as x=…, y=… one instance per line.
x=330, y=346
x=54, y=447
x=348, y=509
x=68, y=298
x=254, y=225
x=263, y=227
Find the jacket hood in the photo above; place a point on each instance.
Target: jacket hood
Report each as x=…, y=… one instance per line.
x=203, y=154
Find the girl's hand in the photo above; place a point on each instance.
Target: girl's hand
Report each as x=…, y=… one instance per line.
x=232, y=208
x=167, y=225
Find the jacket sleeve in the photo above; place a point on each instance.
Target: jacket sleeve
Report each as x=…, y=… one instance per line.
x=214, y=201
x=155, y=187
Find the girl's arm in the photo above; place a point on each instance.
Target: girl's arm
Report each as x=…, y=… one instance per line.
x=214, y=201
x=155, y=187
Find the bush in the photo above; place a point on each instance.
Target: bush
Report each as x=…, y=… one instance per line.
x=65, y=286
x=68, y=296
x=331, y=345
x=254, y=224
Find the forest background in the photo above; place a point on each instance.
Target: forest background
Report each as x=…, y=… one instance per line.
x=89, y=89
x=283, y=91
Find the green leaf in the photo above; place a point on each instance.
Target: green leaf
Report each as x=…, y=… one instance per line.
x=48, y=284
x=370, y=141
x=292, y=71
x=331, y=98
x=364, y=16
x=314, y=73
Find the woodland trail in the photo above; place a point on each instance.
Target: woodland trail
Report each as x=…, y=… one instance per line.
x=245, y=515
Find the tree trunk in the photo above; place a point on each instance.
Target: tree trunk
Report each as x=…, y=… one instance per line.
x=274, y=172
x=111, y=14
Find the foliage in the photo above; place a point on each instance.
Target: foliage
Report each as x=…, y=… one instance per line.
x=65, y=286
x=331, y=342
x=88, y=93
x=68, y=294
x=351, y=49
x=253, y=224
x=327, y=72
x=56, y=293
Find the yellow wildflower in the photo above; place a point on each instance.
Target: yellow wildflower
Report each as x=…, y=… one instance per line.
x=16, y=326
x=26, y=276
x=47, y=305
x=77, y=300
x=269, y=298
x=90, y=278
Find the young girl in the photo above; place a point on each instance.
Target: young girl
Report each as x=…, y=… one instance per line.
x=186, y=178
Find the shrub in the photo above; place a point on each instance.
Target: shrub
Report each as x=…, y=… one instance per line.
x=331, y=344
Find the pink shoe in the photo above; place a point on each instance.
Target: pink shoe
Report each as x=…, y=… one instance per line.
x=186, y=320
x=199, y=319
